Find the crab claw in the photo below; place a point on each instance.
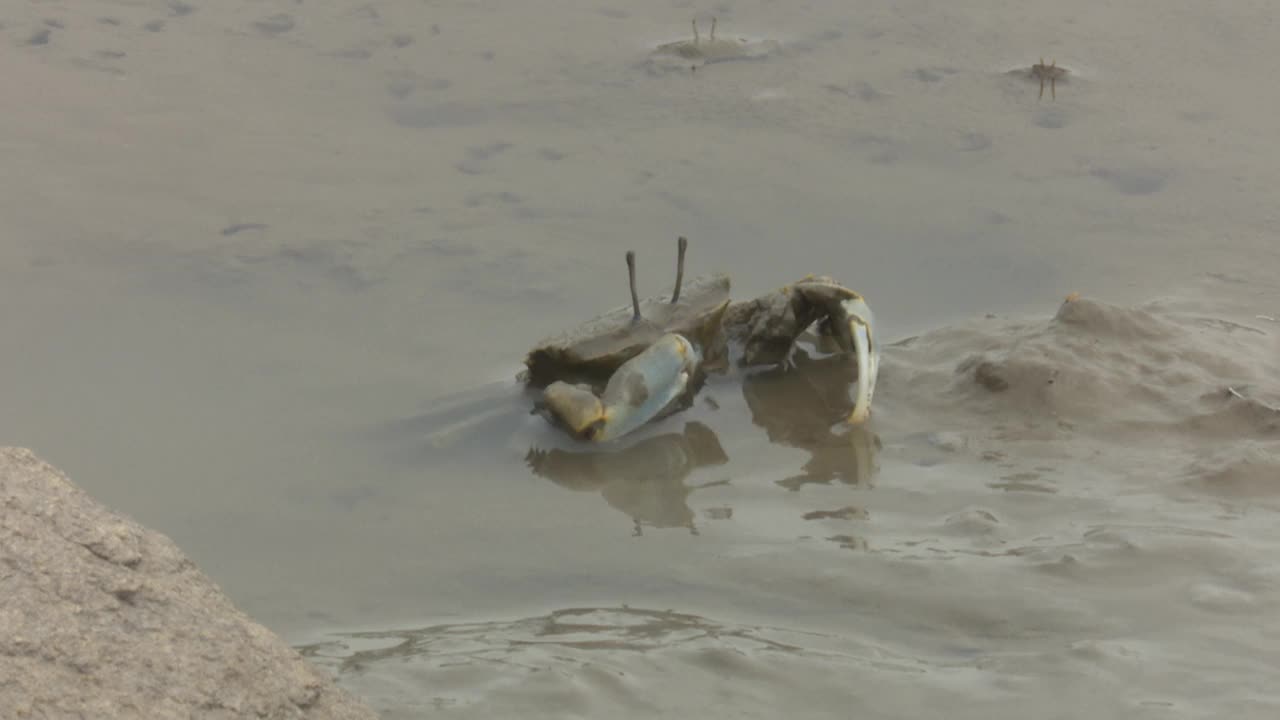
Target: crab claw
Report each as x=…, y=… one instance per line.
x=640, y=390
x=849, y=319
x=861, y=324
x=573, y=406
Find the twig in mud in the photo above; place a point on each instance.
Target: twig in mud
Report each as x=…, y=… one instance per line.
x=1241, y=396
x=1266, y=317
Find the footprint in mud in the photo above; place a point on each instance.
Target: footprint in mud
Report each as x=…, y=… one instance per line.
x=476, y=162
x=101, y=60
x=491, y=199
x=238, y=228
x=848, y=512
x=400, y=88
x=881, y=149
x=861, y=90
x=40, y=37
x=365, y=12
x=951, y=442
x=101, y=63
x=275, y=25
x=445, y=115
x=850, y=542
x=331, y=266
x=1213, y=597
x=1133, y=181
x=404, y=84
x=973, y=141
x=444, y=247
x=934, y=448
x=973, y=521
x=1022, y=482
x=351, y=498
x=1050, y=118
x=934, y=74
x=355, y=53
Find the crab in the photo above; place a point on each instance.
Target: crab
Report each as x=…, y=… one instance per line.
x=620, y=371
x=704, y=51
x=1050, y=72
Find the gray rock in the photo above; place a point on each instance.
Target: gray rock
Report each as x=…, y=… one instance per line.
x=102, y=618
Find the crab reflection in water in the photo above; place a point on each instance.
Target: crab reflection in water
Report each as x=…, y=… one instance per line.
x=802, y=406
x=646, y=481
x=799, y=406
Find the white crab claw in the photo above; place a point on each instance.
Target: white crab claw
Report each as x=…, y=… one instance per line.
x=640, y=390
x=867, y=352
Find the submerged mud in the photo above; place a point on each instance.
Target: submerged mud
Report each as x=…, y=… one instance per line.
x=1062, y=509
x=258, y=261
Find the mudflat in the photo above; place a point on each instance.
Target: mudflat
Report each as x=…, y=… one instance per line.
x=267, y=272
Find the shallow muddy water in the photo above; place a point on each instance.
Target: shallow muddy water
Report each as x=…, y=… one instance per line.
x=267, y=271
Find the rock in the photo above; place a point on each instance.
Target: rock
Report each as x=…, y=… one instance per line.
x=104, y=618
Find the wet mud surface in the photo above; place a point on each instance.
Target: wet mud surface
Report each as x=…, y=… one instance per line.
x=267, y=271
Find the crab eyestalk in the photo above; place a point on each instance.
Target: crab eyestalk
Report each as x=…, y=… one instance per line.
x=861, y=324
x=682, y=245
x=631, y=278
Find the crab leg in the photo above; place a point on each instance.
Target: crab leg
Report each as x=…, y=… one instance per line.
x=852, y=325
x=867, y=353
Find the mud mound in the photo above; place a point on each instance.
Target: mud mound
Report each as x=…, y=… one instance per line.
x=1247, y=472
x=1098, y=368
